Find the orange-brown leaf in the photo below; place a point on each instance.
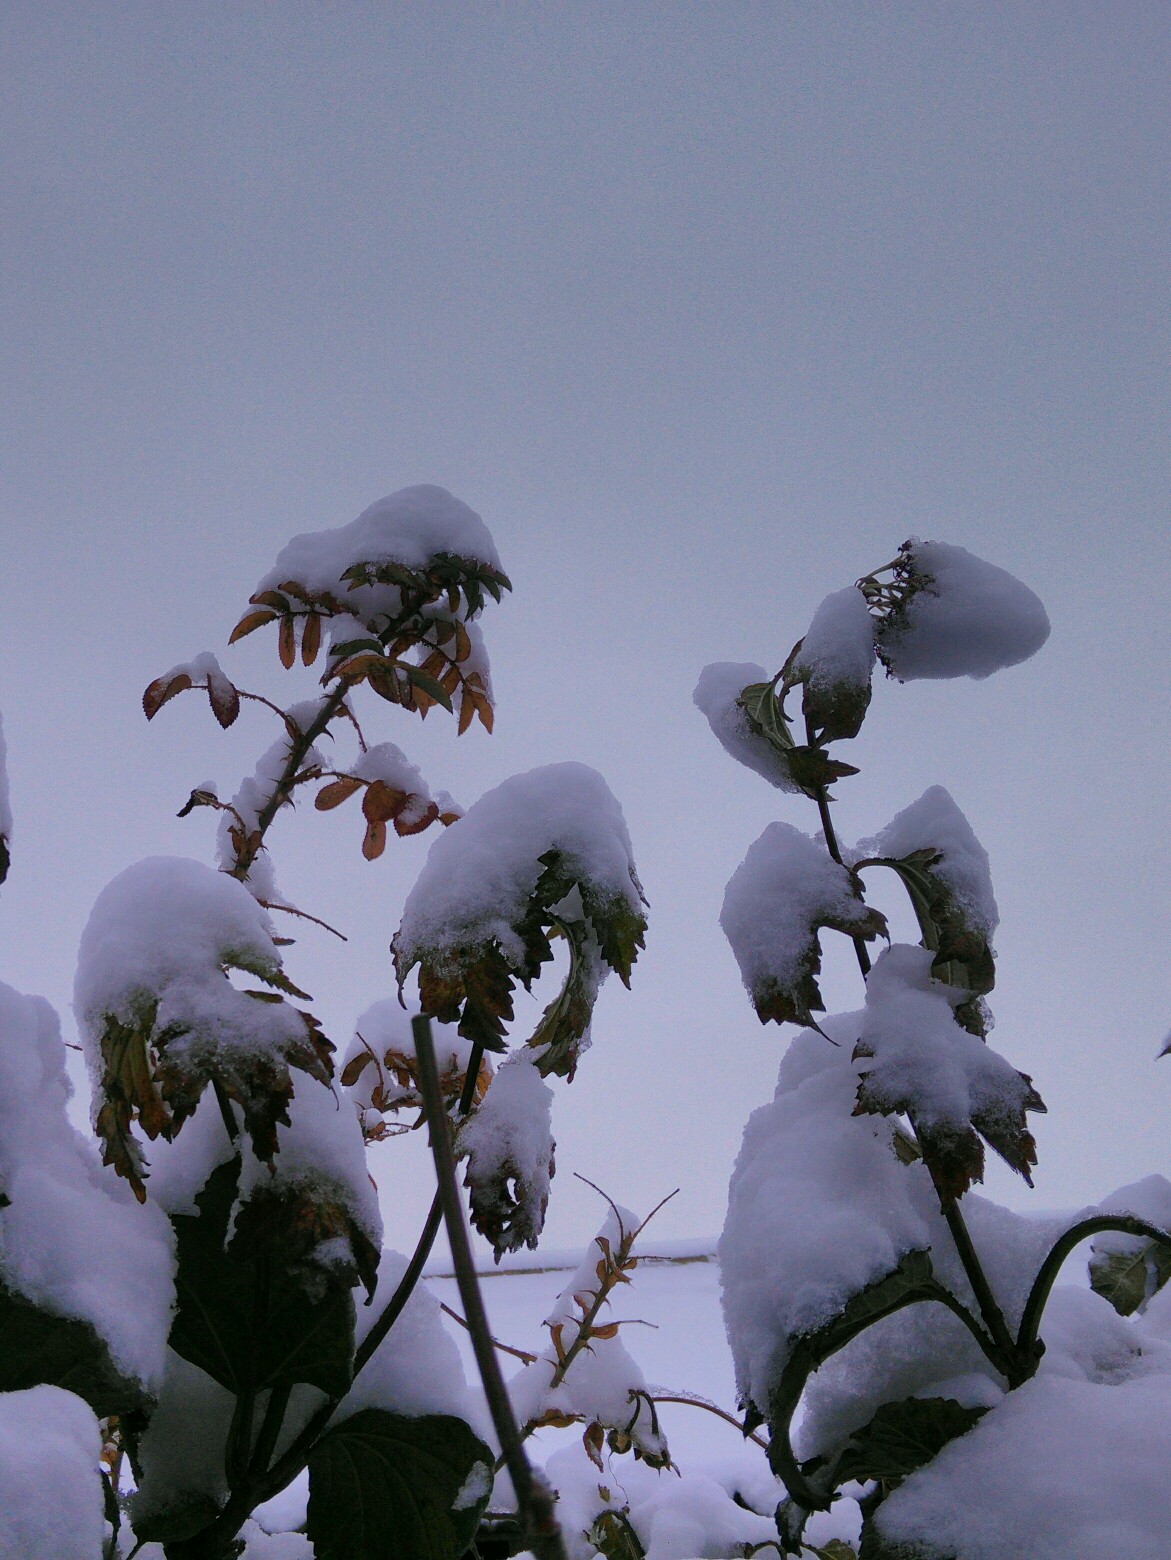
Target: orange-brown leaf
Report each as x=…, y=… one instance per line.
x=404, y=826
x=334, y=794
x=609, y=1331
x=310, y=639
x=467, y=710
x=249, y=622
x=287, y=643
x=355, y=1067
x=375, y=842
x=382, y=802
x=224, y=700
x=161, y=690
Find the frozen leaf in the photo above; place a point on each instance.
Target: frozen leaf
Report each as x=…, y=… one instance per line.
x=1130, y=1276
x=163, y=689
x=902, y=1437
x=747, y=720
x=834, y=663
x=509, y=1148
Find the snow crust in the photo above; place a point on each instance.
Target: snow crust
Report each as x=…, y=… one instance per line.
x=716, y=693
x=838, y=648
x=409, y=527
x=50, y=1488
x=786, y=885
x=480, y=873
x=966, y=618
x=934, y=822
x=72, y=1238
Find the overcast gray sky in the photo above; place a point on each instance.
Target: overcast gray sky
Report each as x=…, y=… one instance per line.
x=704, y=308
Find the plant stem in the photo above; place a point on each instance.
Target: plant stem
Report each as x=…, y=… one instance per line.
x=821, y=796
x=534, y=1500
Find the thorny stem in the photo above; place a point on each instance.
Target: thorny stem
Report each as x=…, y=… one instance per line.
x=534, y=1500
x=299, y=746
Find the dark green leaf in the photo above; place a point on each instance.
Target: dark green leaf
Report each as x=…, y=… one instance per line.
x=1128, y=1278
x=384, y=1487
x=173, y=1524
x=243, y=1316
x=352, y=646
x=427, y=684
x=902, y=1437
x=912, y=1279
x=38, y=1348
x=760, y=703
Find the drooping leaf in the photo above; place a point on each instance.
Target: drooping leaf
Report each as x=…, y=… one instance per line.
x=383, y=1486
x=1130, y=1276
x=244, y=1314
x=250, y=622
x=902, y=1437
x=161, y=690
x=336, y=792
x=287, y=641
x=310, y=639
x=39, y=1348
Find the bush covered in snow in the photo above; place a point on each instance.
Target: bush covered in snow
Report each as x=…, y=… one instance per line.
x=902, y=1338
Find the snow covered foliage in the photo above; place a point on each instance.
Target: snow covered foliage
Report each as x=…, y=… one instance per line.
x=380, y=1068
x=508, y=1145
x=913, y=1326
x=73, y=1243
x=50, y=1489
x=780, y=896
x=162, y=1019
x=947, y=613
x=545, y=852
x=952, y=1087
x=718, y=695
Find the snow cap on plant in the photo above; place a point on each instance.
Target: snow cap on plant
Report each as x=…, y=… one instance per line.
x=947, y=613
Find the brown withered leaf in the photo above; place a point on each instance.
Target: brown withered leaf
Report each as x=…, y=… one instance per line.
x=250, y=622
x=224, y=699
x=295, y=1222
x=355, y=1067
x=505, y=1207
x=287, y=641
x=337, y=792
x=374, y=842
x=310, y=639
x=382, y=802
x=161, y=690
x=411, y=823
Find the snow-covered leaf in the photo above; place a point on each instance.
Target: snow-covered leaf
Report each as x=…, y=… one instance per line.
x=834, y=662
x=783, y=893
x=902, y=1437
x=509, y=1149
x=1129, y=1277
x=40, y=1348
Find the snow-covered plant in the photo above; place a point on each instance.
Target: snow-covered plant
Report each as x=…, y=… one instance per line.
x=900, y=1336
x=195, y=1285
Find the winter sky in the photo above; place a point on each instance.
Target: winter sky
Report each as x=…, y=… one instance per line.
x=704, y=308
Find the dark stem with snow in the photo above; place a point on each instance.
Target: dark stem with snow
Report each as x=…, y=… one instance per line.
x=535, y=1507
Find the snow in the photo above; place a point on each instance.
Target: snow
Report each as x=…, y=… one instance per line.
x=935, y=823
x=1061, y=1469
x=417, y=1368
x=838, y=648
x=409, y=527
x=508, y=1145
x=786, y=886
x=72, y=1238
x=481, y=872
x=963, y=617
x=917, y=1060
x=719, y=687
x=50, y=1488
x=818, y=1207
x=182, y=1449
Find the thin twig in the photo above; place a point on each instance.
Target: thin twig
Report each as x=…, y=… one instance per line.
x=534, y=1500
x=271, y=904
x=505, y=1348
x=720, y=1413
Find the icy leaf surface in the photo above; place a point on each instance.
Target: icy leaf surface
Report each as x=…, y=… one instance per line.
x=784, y=891
x=958, y=616
x=916, y=1060
x=50, y=1488
x=508, y=1145
x=717, y=695
x=160, y=1016
x=72, y=1239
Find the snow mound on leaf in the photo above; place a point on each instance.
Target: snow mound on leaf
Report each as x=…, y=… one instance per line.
x=50, y=1488
x=934, y=822
x=408, y=527
x=963, y=618
x=719, y=687
x=72, y=1237
x=480, y=874
x=838, y=647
